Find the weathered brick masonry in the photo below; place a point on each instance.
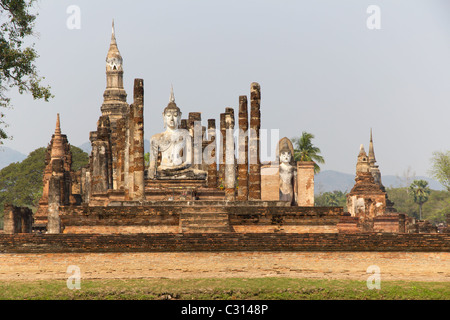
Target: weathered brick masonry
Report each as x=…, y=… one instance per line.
x=162, y=217
x=232, y=242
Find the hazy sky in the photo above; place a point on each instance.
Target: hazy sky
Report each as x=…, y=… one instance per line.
x=321, y=70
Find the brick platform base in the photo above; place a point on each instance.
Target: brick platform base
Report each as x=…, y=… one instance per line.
x=216, y=242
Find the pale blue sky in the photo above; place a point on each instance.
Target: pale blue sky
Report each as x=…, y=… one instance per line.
x=320, y=69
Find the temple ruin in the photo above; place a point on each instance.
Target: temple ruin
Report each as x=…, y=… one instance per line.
x=199, y=179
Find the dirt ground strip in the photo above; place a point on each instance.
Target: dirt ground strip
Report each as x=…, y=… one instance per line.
x=411, y=266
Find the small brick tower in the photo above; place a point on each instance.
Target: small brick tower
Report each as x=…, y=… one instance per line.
x=366, y=200
x=57, y=181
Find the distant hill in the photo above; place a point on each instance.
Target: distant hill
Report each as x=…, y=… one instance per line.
x=325, y=181
x=329, y=180
x=86, y=147
x=8, y=156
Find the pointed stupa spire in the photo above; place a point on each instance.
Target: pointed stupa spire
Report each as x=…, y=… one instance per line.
x=113, y=33
x=57, y=141
x=113, y=36
x=372, y=159
x=172, y=96
x=113, y=58
x=58, y=125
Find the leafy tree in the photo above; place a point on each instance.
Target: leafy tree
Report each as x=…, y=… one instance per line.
x=437, y=207
x=420, y=192
x=434, y=210
x=304, y=150
x=17, y=61
x=79, y=158
x=440, y=168
x=402, y=201
x=21, y=182
x=331, y=199
x=147, y=158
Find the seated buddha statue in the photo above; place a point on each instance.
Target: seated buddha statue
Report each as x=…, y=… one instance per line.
x=174, y=146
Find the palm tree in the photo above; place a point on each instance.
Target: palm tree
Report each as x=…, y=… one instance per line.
x=420, y=191
x=304, y=150
x=332, y=199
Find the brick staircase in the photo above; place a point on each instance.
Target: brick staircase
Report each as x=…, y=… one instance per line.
x=181, y=190
x=202, y=219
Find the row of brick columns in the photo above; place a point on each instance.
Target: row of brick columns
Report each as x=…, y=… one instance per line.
x=245, y=171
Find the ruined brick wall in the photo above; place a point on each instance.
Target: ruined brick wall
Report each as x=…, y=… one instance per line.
x=389, y=223
x=270, y=183
x=32, y=243
x=348, y=224
x=165, y=218
x=17, y=219
x=285, y=219
x=84, y=219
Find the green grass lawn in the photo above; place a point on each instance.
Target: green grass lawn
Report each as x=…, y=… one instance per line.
x=223, y=289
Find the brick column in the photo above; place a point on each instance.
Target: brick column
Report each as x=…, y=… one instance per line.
x=138, y=137
x=221, y=177
x=129, y=156
x=212, y=167
x=254, y=182
x=8, y=219
x=104, y=134
x=183, y=124
x=119, y=165
x=401, y=223
x=305, y=183
x=230, y=166
x=197, y=139
x=243, y=150
x=99, y=181
x=101, y=175
x=54, y=201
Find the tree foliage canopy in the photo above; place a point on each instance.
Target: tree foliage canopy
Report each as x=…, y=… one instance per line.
x=17, y=60
x=304, y=150
x=21, y=182
x=420, y=192
x=434, y=210
x=331, y=199
x=440, y=168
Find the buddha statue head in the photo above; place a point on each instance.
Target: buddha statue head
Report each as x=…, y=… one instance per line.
x=285, y=155
x=172, y=114
x=285, y=151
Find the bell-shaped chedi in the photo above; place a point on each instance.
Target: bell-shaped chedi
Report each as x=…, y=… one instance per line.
x=366, y=200
x=58, y=163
